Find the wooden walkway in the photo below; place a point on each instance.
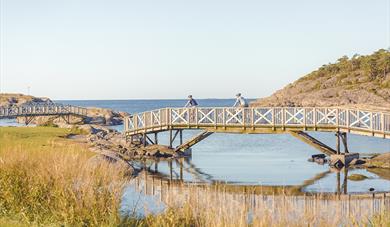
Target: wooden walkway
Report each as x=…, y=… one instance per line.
x=262, y=120
x=31, y=111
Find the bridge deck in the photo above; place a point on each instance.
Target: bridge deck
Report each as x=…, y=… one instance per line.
x=261, y=120
x=41, y=110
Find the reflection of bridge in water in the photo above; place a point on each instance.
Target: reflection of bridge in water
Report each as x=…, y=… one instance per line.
x=258, y=120
x=30, y=111
x=151, y=175
x=153, y=190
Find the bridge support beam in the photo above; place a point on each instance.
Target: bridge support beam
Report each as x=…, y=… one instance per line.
x=303, y=136
x=191, y=142
x=66, y=118
x=28, y=119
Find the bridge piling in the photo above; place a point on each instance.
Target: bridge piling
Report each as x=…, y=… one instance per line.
x=155, y=138
x=170, y=138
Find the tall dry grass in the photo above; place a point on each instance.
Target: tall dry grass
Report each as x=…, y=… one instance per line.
x=190, y=205
x=47, y=180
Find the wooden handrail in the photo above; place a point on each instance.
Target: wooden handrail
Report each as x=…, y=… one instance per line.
x=281, y=117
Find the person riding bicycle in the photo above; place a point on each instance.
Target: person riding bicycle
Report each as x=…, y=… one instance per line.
x=191, y=102
x=240, y=101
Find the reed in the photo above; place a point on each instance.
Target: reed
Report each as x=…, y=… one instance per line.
x=190, y=205
x=48, y=180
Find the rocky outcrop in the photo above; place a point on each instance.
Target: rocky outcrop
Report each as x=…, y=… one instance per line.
x=7, y=99
x=362, y=81
x=104, y=140
x=104, y=116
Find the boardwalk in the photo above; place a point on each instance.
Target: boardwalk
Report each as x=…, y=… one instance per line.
x=261, y=120
x=35, y=110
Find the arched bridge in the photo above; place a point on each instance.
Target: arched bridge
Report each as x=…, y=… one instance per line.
x=30, y=111
x=259, y=120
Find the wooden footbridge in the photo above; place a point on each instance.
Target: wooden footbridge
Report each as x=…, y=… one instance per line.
x=30, y=111
x=261, y=120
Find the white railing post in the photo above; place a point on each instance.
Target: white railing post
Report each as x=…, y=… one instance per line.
x=166, y=116
x=243, y=117
x=160, y=117
x=170, y=116
x=223, y=117
x=215, y=117
x=252, y=117
x=273, y=118
x=196, y=117
x=383, y=122
x=135, y=121
x=151, y=119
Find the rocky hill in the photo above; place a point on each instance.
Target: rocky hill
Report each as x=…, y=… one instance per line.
x=362, y=81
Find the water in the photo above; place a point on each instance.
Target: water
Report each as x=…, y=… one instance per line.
x=254, y=159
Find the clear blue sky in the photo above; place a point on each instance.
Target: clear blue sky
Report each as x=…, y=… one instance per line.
x=80, y=49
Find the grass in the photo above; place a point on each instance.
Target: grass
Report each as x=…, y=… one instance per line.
x=47, y=180
x=191, y=205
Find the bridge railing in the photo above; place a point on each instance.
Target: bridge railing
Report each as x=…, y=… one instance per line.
x=41, y=109
x=375, y=121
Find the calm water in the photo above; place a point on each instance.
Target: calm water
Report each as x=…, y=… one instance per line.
x=254, y=159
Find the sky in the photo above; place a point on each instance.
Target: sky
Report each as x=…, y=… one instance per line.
x=92, y=49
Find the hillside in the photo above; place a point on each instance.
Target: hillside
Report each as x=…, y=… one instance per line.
x=358, y=81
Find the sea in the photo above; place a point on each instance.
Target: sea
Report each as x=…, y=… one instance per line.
x=266, y=159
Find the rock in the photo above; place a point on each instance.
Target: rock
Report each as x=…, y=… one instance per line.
x=7, y=99
x=318, y=156
x=104, y=116
x=320, y=161
x=357, y=177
